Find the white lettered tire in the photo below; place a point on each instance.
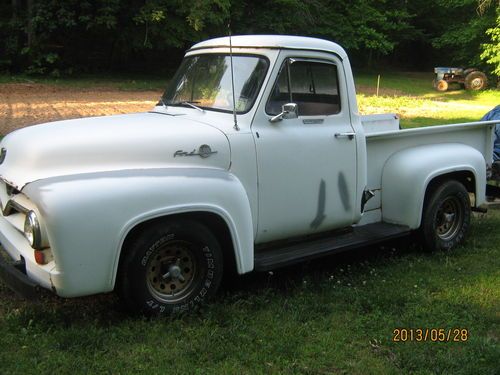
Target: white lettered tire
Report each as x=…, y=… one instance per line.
x=171, y=267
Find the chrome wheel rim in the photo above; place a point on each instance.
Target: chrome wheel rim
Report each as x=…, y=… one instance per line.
x=449, y=218
x=171, y=271
x=476, y=83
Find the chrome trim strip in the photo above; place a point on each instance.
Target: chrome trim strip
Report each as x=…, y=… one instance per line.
x=13, y=206
x=8, y=183
x=3, y=154
x=37, y=233
x=10, y=188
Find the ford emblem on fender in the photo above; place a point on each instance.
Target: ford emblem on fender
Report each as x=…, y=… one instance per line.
x=204, y=152
x=3, y=154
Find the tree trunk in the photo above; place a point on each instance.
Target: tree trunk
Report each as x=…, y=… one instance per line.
x=14, y=10
x=29, y=31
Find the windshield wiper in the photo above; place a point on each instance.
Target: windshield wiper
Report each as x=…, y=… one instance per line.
x=189, y=104
x=193, y=106
x=161, y=102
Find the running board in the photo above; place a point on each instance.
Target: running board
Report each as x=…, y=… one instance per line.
x=289, y=254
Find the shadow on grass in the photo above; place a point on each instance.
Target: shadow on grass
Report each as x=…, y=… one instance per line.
x=287, y=279
x=126, y=82
x=106, y=309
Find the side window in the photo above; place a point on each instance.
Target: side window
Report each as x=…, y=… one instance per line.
x=281, y=92
x=312, y=85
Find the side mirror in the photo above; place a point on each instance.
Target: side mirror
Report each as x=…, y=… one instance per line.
x=288, y=111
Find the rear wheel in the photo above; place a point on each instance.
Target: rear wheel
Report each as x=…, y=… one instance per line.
x=171, y=267
x=446, y=216
x=475, y=81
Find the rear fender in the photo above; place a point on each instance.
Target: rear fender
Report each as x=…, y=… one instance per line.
x=408, y=173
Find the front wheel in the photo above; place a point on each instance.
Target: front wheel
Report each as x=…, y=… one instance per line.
x=446, y=216
x=441, y=85
x=171, y=267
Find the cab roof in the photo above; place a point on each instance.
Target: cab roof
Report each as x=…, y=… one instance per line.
x=273, y=41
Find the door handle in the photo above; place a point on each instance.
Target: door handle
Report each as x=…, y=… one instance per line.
x=345, y=135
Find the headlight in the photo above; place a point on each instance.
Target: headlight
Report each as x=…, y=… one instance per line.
x=32, y=230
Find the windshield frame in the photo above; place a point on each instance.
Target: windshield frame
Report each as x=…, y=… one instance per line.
x=227, y=54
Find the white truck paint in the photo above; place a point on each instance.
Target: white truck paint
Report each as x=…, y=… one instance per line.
x=92, y=181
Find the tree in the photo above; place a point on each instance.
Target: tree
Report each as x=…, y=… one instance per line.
x=461, y=32
x=367, y=27
x=51, y=36
x=491, y=51
x=483, y=5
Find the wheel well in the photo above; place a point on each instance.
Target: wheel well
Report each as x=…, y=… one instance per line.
x=213, y=222
x=466, y=178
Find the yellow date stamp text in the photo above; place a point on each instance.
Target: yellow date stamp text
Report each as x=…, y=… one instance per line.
x=430, y=334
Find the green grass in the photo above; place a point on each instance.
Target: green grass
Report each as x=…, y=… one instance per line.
x=332, y=316
x=93, y=82
x=412, y=96
x=420, y=85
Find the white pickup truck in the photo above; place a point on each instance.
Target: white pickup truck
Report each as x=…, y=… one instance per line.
x=255, y=158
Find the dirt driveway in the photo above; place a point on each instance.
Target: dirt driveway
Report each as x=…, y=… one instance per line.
x=28, y=104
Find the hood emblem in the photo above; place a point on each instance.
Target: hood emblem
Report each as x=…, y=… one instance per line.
x=204, y=151
x=3, y=154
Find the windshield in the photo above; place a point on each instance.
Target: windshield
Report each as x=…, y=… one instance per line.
x=205, y=81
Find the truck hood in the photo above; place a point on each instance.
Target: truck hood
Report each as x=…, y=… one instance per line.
x=133, y=141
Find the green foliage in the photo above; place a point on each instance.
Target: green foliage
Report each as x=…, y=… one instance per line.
x=461, y=31
x=357, y=25
x=491, y=51
x=111, y=35
x=87, y=34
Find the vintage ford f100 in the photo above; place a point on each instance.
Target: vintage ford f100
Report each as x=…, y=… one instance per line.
x=254, y=158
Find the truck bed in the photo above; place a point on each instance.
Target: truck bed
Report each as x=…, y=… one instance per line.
x=382, y=144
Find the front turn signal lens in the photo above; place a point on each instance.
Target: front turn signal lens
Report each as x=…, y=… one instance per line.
x=40, y=257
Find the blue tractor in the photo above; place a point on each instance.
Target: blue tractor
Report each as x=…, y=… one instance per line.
x=470, y=79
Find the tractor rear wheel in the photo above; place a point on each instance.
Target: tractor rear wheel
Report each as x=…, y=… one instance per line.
x=475, y=81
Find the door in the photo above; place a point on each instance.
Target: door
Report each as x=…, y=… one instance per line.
x=306, y=165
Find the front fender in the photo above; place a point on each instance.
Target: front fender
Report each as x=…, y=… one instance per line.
x=88, y=217
x=407, y=174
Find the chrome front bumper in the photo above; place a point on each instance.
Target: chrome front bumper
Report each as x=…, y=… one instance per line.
x=13, y=274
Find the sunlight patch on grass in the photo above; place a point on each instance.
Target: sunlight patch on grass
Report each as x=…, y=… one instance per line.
x=422, y=112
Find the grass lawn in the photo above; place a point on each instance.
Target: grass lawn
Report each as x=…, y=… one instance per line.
x=332, y=316
x=412, y=97
x=120, y=82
